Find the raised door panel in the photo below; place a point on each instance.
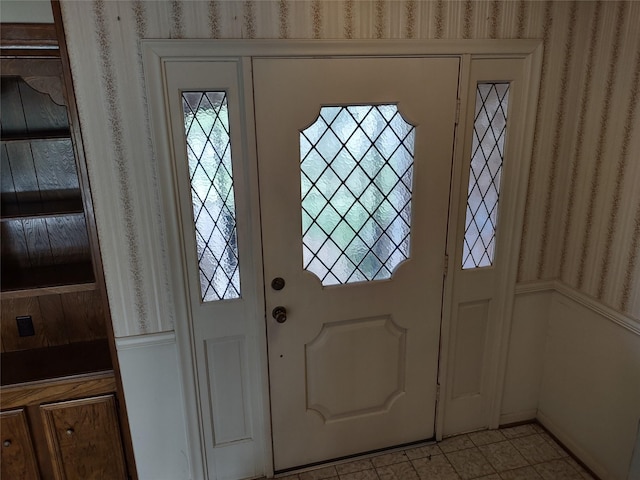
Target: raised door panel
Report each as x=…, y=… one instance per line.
x=84, y=439
x=18, y=457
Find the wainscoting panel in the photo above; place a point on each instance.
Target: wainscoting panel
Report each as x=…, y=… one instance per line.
x=153, y=393
x=590, y=390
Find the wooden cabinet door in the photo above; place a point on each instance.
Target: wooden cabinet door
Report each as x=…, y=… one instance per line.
x=84, y=439
x=18, y=457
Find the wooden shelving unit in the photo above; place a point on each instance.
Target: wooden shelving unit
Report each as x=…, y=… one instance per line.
x=46, y=247
x=41, y=209
x=59, y=375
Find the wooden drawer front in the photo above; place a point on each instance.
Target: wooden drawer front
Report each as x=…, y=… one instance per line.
x=84, y=439
x=18, y=458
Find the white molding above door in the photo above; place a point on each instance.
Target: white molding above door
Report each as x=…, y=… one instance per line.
x=157, y=54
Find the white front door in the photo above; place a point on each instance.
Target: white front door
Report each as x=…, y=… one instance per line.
x=354, y=159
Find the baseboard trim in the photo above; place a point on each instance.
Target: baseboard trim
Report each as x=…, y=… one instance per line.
x=518, y=417
x=149, y=340
x=619, y=318
x=573, y=447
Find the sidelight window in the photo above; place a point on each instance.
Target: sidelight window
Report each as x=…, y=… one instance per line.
x=489, y=130
x=206, y=123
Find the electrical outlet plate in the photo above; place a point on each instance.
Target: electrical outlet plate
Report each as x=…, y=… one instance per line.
x=25, y=326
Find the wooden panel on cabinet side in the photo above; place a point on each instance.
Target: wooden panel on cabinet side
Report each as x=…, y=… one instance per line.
x=84, y=439
x=18, y=457
x=38, y=244
x=15, y=255
x=85, y=316
x=19, y=171
x=13, y=118
x=41, y=279
x=51, y=364
x=12, y=308
x=28, y=34
x=44, y=391
x=73, y=316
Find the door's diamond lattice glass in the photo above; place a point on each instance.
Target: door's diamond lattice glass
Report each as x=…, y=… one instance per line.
x=489, y=130
x=356, y=180
x=206, y=123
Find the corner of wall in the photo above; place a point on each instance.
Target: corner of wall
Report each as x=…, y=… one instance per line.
x=590, y=390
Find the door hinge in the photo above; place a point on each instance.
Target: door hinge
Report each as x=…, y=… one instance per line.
x=446, y=264
x=457, y=111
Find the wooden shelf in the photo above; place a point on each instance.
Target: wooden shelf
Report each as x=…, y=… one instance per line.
x=63, y=278
x=54, y=362
x=44, y=135
x=54, y=290
x=39, y=209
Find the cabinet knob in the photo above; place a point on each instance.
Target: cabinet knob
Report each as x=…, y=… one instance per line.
x=7, y=443
x=70, y=431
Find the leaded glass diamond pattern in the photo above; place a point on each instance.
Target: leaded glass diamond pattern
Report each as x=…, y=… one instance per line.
x=206, y=123
x=489, y=130
x=356, y=180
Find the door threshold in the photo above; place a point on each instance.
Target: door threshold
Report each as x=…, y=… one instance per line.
x=351, y=458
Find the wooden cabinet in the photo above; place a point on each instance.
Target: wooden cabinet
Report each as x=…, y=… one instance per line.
x=48, y=278
x=84, y=438
x=63, y=429
x=59, y=373
x=18, y=457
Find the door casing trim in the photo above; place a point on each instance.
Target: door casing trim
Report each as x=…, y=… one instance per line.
x=157, y=52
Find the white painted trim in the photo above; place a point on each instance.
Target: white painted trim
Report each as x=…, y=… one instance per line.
x=524, y=72
x=557, y=286
x=155, y=76
x=531, y=88
x=573, y=447
x=453, y=225
x=609, y=313
x=252, y=181
x=150, y=340
x=277, y=48
x=518, y=417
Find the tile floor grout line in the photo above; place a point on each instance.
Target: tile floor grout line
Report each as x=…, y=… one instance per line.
x=557, y=457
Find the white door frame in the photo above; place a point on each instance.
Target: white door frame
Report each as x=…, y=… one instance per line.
x=156, y=54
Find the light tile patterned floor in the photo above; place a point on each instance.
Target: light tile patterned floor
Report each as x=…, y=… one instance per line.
x=525, y=452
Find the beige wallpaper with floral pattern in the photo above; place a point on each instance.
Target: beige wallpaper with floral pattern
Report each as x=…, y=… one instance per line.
x=582, y=219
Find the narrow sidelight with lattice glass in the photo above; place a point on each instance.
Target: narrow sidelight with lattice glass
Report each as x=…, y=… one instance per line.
x=489, y=130
x=206, y=123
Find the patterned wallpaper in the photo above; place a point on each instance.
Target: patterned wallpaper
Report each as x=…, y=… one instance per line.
x=582, y=219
